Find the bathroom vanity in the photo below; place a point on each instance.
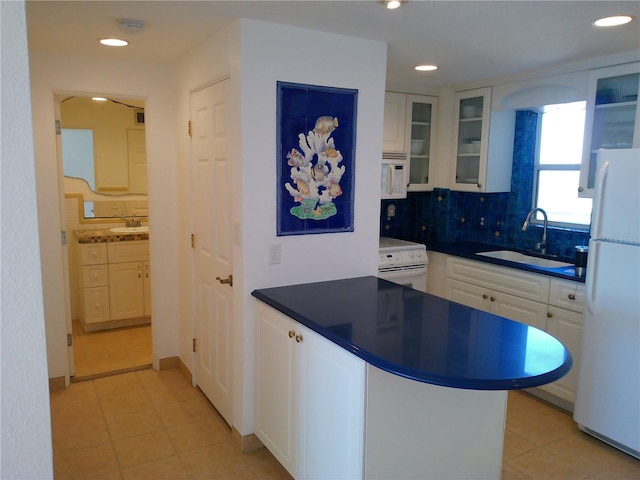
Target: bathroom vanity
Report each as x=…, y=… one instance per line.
x=114, y=279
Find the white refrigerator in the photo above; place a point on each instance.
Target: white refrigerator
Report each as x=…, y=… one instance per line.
x=608, y=394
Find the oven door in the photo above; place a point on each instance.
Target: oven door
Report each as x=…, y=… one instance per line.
x=415, y=278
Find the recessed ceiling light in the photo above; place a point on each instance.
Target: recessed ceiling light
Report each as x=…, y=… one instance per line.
x=426, y=68
x=99, y=99
x=613, y=21
x=113, y=42
x=393, y=4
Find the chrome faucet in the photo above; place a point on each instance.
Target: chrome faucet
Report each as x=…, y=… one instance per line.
x=542, y=246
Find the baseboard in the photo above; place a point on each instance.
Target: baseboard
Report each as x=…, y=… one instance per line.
x=185, y=371
x=246, y=443
x=168, y=363
x=56, y=384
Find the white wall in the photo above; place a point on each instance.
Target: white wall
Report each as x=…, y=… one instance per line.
x=25, y=448
x=63, y=74
x=268, y=53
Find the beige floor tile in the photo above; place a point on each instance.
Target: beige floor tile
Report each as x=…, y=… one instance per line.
x=77, y=392
x=168, y=468
x=115, y=405
x=72, y=413
x=79, y=435
x=143, y=448
x=510, y=473
x=271, y=471
x=172, y=394
x=117, y=475
x=155, y=379
x=85, y=463
x=118, y=384
x=515, y=445
x=542, y=427
x=177, y=413
x=540, y=464
x=134, y=424
x=216, y=461
x=195, y=435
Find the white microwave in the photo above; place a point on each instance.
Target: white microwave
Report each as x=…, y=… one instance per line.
x=395, y=177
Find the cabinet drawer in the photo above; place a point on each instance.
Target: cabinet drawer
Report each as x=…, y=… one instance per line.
x=507, y=280
x=133, y=251
x=93, y=253
x=567, y=294
x=96, y=305
x=95, y=275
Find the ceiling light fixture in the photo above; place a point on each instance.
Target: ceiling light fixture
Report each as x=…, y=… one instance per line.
x=113, y=42
x=393, y=4
x=613, y=21
x=98, y=99
x=426, y=68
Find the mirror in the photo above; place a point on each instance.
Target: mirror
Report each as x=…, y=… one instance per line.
x=104, y=153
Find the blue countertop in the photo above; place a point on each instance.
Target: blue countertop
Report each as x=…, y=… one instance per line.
x=423, y=337
x=470, y=249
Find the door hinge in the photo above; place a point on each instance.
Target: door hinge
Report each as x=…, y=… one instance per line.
x=63, y=237
x=194, y=344
x=193, y=240
x=69, y=340
x=58, y=128
x=189, y=128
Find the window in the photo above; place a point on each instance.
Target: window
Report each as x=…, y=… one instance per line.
x=557, y=168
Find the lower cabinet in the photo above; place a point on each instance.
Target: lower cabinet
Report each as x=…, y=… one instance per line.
x=550, y=304
x=128, y=295
x=309, y=399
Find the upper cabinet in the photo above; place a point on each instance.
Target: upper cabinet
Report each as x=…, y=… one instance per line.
x=612, y=118
x=483, y=144
x=408, y=127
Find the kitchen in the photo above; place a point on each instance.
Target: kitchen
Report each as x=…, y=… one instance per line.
x=364, y=240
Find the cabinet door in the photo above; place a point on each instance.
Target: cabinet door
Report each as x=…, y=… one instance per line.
x=612, y=118
x=147, y=288
x=519, y=309
x=567, y=294
x=421, y=114
x=566, y=326
x=393, y=135
x=483, y=144
x=469, y=294
x=96, y=305
x=331, y=409
x=277, y=384
x=126, y=285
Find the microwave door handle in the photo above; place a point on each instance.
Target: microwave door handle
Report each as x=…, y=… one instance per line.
x=389, y=177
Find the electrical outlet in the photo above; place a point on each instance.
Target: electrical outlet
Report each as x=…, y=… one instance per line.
x=274, y=254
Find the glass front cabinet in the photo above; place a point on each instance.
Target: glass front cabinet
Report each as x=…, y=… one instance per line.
x=408, y=126
x=612, y=117
x=483, y=144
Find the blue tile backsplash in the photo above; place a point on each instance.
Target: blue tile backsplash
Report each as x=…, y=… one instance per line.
x=443, y=215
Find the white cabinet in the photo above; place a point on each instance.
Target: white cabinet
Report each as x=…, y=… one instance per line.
x=115, y=284
x=309, y=399
x=612, y=118
x=550, y=304
x=483, y=144
x=408, y=130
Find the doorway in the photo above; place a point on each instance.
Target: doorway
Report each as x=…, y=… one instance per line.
x=111, y=342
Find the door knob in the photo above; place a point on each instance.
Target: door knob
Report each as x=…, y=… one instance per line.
x=228, y=280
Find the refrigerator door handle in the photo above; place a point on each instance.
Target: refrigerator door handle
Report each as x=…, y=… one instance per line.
x=601, y=184
x=589, y=300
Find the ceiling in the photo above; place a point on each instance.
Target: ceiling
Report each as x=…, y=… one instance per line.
x=469, y=40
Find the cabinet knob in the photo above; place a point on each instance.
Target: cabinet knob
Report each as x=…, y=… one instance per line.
x=139, y=271
x=485, y=296
x=571, y=296
x=493, y=299
x=549, y=314
x=479, y=185
x=580, y=189
x=298, y=338
x=291, y=333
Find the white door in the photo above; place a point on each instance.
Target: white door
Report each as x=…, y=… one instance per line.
x=213, y=246
x=137, y=151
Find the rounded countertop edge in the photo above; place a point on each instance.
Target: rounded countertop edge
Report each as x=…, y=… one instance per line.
x=106, y=235
x=419, y=376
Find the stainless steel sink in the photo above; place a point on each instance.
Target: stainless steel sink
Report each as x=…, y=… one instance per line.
x=144, y=229
x=517, y=257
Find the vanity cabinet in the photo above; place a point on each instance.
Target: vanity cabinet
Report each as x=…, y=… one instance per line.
x=408, y=134
x=115, y=284
x=549, y=304
x=309, y=399
x=483, y=144
x=612, y=117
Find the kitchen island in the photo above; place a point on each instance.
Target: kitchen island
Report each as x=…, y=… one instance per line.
x=389, y=382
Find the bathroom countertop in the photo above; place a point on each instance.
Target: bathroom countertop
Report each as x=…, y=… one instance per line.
x=423, y=337
x=106, y=235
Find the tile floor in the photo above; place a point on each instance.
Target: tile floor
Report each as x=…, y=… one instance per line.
x=144, y=424
x=117, y=350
